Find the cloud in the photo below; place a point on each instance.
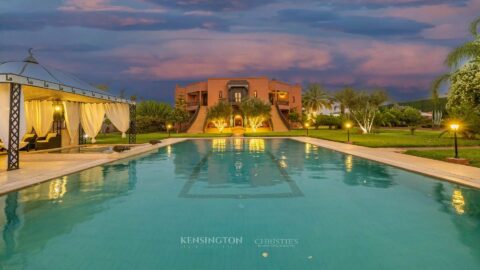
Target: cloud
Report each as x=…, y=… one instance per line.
x=361, y=25
x=374, y=26
x=226, y=55
x=450, y=22
x=212, y=5
x=388, y=59
x=305, y=15
x=395, y=3
x=105, y=5
x=116, y=21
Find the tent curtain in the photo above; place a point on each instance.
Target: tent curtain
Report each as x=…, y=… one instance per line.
x=72, y=118
x=28, y=119
x=39, y=115
x=119, y=115
x=91, y=117
x=5, y=114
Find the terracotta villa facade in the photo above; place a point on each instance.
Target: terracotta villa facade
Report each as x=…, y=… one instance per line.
x=200, y=96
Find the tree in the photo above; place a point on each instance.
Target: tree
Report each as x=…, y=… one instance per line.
x=364, y=107
x=152, y=108
x=293, y=116
x=315, y=99
x=219, y=114
x=464, y=97
x=344, y=97
x=467, y=51
x=152, y=116
x=178, y=116
x=255, y=111
x=327, y=120
x=412, y=117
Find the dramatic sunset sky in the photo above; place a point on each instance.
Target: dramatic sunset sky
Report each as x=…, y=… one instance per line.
x=148, y=46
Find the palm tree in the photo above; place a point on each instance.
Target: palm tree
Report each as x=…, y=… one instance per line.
x=315, y=99
x=467, y=51
x=344, y=98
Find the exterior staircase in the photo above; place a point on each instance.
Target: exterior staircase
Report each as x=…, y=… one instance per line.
x=238, y=131
x=199, y=122
x=277, y=122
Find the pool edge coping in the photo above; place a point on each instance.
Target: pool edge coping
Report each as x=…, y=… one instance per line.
x=139, y=150
x=390, y=158
x=419, y=165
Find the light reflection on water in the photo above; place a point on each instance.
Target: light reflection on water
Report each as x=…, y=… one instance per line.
x=251, y=188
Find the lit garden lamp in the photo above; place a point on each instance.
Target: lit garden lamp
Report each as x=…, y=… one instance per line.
x=307, y=125
x=455, y=127
x=348, y=126
x=169, y=127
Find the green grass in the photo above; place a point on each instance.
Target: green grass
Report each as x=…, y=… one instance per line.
x=473, y=155
x=385, y=138
x=116, y=138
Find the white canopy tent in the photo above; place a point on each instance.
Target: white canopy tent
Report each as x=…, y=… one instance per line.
x=34, y=96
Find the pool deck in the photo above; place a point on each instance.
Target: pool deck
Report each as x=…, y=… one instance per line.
x=40, y=167
x=461, y=174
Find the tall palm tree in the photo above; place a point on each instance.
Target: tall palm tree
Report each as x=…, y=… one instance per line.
x=315, y=99
x=344, y=97
x=467, y=51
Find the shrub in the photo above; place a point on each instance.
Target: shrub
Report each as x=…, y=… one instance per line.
x=148, y=124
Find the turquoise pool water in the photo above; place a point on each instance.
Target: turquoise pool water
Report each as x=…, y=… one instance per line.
x=242, y=204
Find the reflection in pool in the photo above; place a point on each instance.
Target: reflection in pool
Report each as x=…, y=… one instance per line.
x=241, y=204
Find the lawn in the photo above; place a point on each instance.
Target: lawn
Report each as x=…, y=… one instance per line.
x=384, y=138
x=473, y=155
x=116, y=138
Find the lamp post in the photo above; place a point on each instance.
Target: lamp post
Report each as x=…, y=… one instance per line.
x=455, y=128
x=348, y=125
x=169, y=127
x=306, y=127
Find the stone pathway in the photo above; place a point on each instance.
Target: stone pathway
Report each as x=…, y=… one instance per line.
x=461, y=174
x=40, y=167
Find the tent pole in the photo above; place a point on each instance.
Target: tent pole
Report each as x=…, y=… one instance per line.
x=132, y=131
x=14, y=127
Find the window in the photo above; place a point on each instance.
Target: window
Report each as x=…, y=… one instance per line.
x=238, y=97
x=220, y=94
x=293, y=99
x=255, y=93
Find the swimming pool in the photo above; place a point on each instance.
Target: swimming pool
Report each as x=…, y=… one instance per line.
x=242, y=204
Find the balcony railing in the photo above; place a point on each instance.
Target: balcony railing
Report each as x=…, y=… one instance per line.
x=193, y=103
x=283, y=102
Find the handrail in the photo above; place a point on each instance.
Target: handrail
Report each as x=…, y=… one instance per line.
x=192, y=120
x=284, y=120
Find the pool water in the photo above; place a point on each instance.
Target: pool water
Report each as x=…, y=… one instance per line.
x=242, y=204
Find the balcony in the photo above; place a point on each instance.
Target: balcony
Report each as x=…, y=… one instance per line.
x=283, y=103
x=192, y=103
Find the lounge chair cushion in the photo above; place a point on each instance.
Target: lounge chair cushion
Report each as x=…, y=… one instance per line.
x=28, y=136
x=49, y=136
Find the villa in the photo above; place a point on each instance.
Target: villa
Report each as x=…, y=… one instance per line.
x=199, y=96
x=320, y=167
